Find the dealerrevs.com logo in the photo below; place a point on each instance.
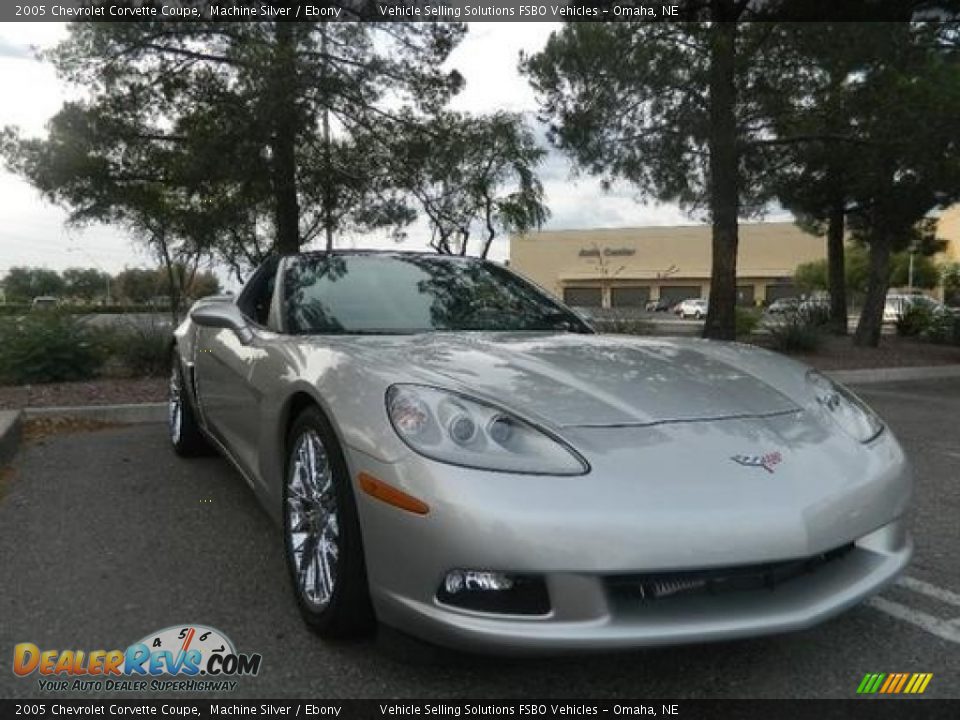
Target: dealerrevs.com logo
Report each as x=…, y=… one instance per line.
x=178, y=658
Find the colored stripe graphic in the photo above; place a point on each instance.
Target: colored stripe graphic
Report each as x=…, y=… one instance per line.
x=894, y=683
x=903, y=681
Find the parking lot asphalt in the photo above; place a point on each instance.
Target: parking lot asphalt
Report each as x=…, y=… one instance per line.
x=106, y=536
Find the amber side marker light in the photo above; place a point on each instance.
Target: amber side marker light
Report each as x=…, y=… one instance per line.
x=391, y=495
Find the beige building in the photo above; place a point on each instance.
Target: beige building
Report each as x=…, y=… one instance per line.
x=948, y=228
x=626, y=267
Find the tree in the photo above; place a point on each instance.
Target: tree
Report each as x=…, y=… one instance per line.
x=468, y=171
x=136, y=183
x=22, y=284
x=810, y=97
x=202, y=284
x=814, y=275
x=86, y=284
x=262, y=115
x=667, y=107
x=682, y=110
x=853, y=94
x=926, y=274
x=950, y=277
x=907, y=174
x=811, y=276
x=138, y=286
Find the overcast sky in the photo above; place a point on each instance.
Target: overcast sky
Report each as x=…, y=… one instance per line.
x=32, y=232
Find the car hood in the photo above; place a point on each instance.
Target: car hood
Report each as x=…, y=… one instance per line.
x=587, y=380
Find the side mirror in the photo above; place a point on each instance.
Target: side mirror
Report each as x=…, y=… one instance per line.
x=223, y=315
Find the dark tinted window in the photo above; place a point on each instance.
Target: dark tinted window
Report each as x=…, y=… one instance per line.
x=344, y=293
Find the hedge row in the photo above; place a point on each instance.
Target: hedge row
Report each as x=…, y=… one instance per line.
x=17, y=309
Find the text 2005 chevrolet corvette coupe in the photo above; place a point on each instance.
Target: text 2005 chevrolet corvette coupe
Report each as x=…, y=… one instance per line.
x=454, y=453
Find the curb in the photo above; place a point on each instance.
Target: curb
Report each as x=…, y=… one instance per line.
x=868, y=376
x=134, y=414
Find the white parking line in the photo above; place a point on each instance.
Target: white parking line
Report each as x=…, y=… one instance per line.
x=943, y=629
x=930, y=590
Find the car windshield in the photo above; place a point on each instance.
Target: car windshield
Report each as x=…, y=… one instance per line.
x=394, y=294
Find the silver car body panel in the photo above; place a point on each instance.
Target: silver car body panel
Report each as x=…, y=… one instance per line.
x=658, y=420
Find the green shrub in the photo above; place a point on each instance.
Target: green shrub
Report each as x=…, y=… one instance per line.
x=944, y=329
x=816, y=314
x=747, y=320
x=915, y=320
x=14, y=309
x=797, y=332
x=140, y=348
x=48, y=346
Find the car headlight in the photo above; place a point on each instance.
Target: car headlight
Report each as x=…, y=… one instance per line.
x=452, y=428
x=846, y=409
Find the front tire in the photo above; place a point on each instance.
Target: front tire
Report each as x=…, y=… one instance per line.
x=185, y=435
x=322, y=537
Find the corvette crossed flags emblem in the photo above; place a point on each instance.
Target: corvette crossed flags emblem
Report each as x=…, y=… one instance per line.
x=768, y=462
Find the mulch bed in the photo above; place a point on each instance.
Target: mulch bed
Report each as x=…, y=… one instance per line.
x=105, y=391
x=836, y=353
x=839, y=353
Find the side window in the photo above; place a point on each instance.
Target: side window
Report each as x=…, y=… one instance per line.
x=254, y=301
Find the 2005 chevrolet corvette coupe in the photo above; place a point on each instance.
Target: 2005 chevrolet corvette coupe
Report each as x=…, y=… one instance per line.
x=451, y=452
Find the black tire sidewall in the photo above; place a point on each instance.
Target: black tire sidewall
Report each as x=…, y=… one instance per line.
x=191, y=441
x=349, y=612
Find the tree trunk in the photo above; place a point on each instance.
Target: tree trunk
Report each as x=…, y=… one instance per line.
x=173, y=288
x=724, y=188
x=878, y=280
x=327, y=149
x=283, y=143
x=836, y=274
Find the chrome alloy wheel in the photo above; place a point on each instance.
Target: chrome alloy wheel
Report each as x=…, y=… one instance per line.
x=175, y=406
x=312, y=522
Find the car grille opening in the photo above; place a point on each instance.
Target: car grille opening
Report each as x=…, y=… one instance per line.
x=654, y=587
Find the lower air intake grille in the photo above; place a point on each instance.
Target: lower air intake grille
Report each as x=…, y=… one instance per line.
x=652, y=587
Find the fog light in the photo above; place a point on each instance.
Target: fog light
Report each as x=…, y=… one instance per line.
x=459, y=580
x=495, y=592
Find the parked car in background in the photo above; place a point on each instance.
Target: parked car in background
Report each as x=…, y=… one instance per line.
x=783, y=306
x=693, y=308
x=817, y=305
x=661, y=305
x=897, y=304
x=44, y=302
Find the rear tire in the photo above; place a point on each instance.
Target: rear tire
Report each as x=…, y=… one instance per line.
x=182, y=425
x=322, y=537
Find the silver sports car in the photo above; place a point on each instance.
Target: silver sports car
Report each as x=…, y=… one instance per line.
x=450, y=451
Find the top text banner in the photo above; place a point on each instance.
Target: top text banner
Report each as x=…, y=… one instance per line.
x=433, y=10
x=337, y=10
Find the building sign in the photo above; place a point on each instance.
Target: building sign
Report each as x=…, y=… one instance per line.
x=607, y=252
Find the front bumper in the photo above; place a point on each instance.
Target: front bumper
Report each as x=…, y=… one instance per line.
x=609, y=623
x=578, y=533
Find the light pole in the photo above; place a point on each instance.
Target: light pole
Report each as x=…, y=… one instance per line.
x=913, y=249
